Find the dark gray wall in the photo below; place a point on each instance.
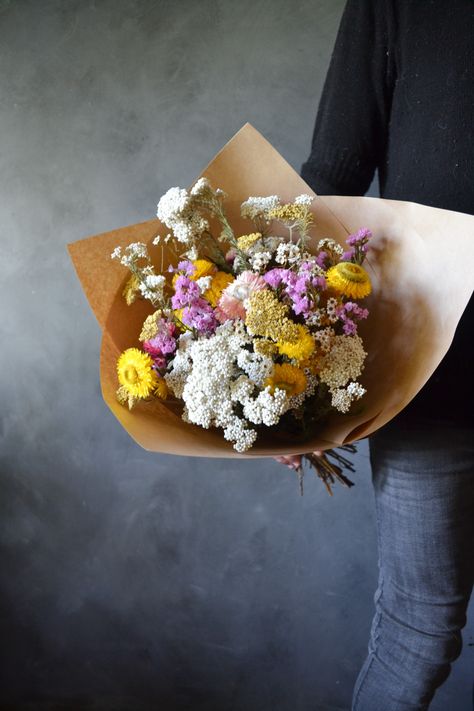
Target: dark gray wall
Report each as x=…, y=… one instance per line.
x=130, y=580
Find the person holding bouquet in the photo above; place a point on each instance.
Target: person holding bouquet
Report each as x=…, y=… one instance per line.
x=398, y=99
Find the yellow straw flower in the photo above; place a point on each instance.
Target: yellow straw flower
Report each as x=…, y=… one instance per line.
x=288, y=378
x=299, y=348
x=203, y=267
x=161, y=389
x=349, y=279
x=218, y=284
x=135, y=373
x=130, y=289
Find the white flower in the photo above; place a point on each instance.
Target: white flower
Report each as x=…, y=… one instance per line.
x=258, y=206
x=331, y=307
x=342, y=398
x=204, y=283
x=117, y=253
x=202, y=185
x=177, y=211
x=155, y=281
x=344, y=362
x=287, y=253
x=303, y=199
x=331, y=246
x=266, y=408
x=324, y=337
x=260, y=260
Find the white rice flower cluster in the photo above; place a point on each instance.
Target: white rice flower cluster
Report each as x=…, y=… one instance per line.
x=325, y=338
x=329, y=245
x=315, y=318
x=259, y=260
x=255, y=365
x=342, y=398
x=255, y=207
x=178, y=211
x=204, y=283
x=133, y=252
x=287, y=253
x=312, y=381
x=303, y=199
x=331, y=307
x=344, y=362
x=266, y=408
x=152, y=287
x=206, y=374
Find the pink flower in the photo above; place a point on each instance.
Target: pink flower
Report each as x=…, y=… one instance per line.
x=232, y=302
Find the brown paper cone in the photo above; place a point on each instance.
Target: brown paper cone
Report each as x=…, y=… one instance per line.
x=421, y=266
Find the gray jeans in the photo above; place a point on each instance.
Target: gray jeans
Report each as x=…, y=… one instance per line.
x=423, y=477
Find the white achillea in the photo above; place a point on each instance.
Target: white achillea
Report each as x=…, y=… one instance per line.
x=324, y=338
x=266, y=409
x=314, y=318
x=303, y=199
x=344, y=362
x=331, y=307
x=255, y=365
x=342, y=398
x=206, y=374
x=177, y=210
x=259, y=206
x=204, y=283
x=287, y=253
x=260, y=260
x=329, y=245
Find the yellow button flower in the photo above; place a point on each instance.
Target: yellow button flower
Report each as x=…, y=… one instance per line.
x=135, y=373
x=288, y=378
x=348, y=279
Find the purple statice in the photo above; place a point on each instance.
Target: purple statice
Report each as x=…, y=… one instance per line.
x=349, y=313
x=200, y=315
x=187, y=292
x=321, y=259
x=358, y=243
x=275, y=277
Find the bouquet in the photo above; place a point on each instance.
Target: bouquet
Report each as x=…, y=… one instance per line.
x=209, y=351
x=248, y=331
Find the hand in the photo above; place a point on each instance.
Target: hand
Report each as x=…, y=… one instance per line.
x=293, y=461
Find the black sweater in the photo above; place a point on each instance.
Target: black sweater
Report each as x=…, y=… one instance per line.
x=399, y=99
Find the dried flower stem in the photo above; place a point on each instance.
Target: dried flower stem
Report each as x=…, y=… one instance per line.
x=328, y=472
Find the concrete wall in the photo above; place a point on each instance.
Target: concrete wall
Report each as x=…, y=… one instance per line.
x=130, y=580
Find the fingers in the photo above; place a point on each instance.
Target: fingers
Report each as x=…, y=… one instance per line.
x=293, y=461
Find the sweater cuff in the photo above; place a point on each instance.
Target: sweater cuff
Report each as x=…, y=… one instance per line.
x=336, y=171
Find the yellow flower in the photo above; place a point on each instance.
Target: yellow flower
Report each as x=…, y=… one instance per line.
x=218, y=284
x=203, y=267
x=349, y=280
x=246, y=241
x=290, y=212
x=130, y=289
x=150, y=327
x=299, y=348
x=288, y=378
x=266, y=316
x=161, y=389
x=135, y=373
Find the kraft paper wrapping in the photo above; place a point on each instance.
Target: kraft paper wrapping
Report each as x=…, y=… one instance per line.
x=421, y=267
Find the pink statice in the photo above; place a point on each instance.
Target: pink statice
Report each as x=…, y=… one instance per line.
x=350, y=313
x=358, y=246
x=186, y=292
x=200, y=315
x=161, y=345
x=232, y=301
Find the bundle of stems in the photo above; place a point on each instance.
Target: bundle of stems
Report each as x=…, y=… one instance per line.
x=329, y=472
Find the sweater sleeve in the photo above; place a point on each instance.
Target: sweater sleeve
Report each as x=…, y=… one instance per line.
x=350, y=131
